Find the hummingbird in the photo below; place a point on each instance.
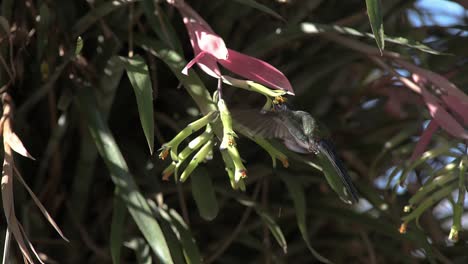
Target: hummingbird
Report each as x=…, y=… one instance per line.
x=300, y=133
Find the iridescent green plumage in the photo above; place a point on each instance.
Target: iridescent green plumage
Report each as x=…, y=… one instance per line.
x=301, y=133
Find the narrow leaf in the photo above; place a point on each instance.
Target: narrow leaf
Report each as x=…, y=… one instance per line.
x=117, y=227
x=374, y=11
x=15, y=143
x=267, y=219
x=40, y=206
x=298, y=197
x=189, y=246
x=274, y=228
x=137, y=72
x=204, y=194
x=134, y=200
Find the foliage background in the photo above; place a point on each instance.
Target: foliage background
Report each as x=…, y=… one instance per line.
x=334, y=83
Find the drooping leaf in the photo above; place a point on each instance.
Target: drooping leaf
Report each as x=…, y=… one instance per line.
x=374, y=11
x=137, y=72
x=268, y=220
x=297, y=194
x=204, y=194
x=120, y=175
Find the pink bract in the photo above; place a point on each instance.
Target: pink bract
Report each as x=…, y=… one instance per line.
x=210, y=49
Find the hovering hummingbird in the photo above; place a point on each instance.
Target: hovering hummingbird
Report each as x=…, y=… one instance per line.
x=300, y=133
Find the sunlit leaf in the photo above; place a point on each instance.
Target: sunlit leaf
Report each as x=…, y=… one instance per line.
x=130, y=194
x=137, y=72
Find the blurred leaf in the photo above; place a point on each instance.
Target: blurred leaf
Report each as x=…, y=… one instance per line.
x=267, y=220
x=204, y=194
x=430, y=201
x=274, y=228
x=142, y=251
x=316, y=28
x=161, y=25
x=261, y=7
x=117, y=227
x=97, y=13
x=79, y=45
x=4, y=25
x=130, y=194
x=297, y=194
x=137, y=72
x=374, y=11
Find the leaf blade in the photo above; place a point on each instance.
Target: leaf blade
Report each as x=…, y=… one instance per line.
x=137, y=72
x=374, y=11
x=204, y=194
x=120, y=175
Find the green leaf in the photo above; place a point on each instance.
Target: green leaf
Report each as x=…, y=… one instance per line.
x=374, y=11
x=297, y=194
x=189, y=245
x=117, y=228
x=142, y=251
x=315, y=28
x=161, y=25
x=204, y=194
x=274, y=228
x=79, y=45
x=267, y=219
x=137, y=72
x=261, y=7
x=192, y=83
x=120, y=175
x=181, y=230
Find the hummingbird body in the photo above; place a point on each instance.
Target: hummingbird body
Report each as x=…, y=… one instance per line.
x=301, y=133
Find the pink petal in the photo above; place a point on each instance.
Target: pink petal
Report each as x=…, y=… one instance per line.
x=256, y=70
x=424, y=140
x=443, y=118
x=192, y=62
x=201, y=35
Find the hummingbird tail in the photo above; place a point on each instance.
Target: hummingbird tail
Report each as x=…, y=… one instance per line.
x=348, y=193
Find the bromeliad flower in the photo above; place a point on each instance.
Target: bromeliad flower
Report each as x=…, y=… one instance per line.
x=210, y=49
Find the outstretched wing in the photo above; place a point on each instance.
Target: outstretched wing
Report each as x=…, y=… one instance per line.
x=257, y=123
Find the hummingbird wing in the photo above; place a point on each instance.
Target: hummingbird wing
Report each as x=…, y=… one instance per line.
x=335, y=172
x=266, y=124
